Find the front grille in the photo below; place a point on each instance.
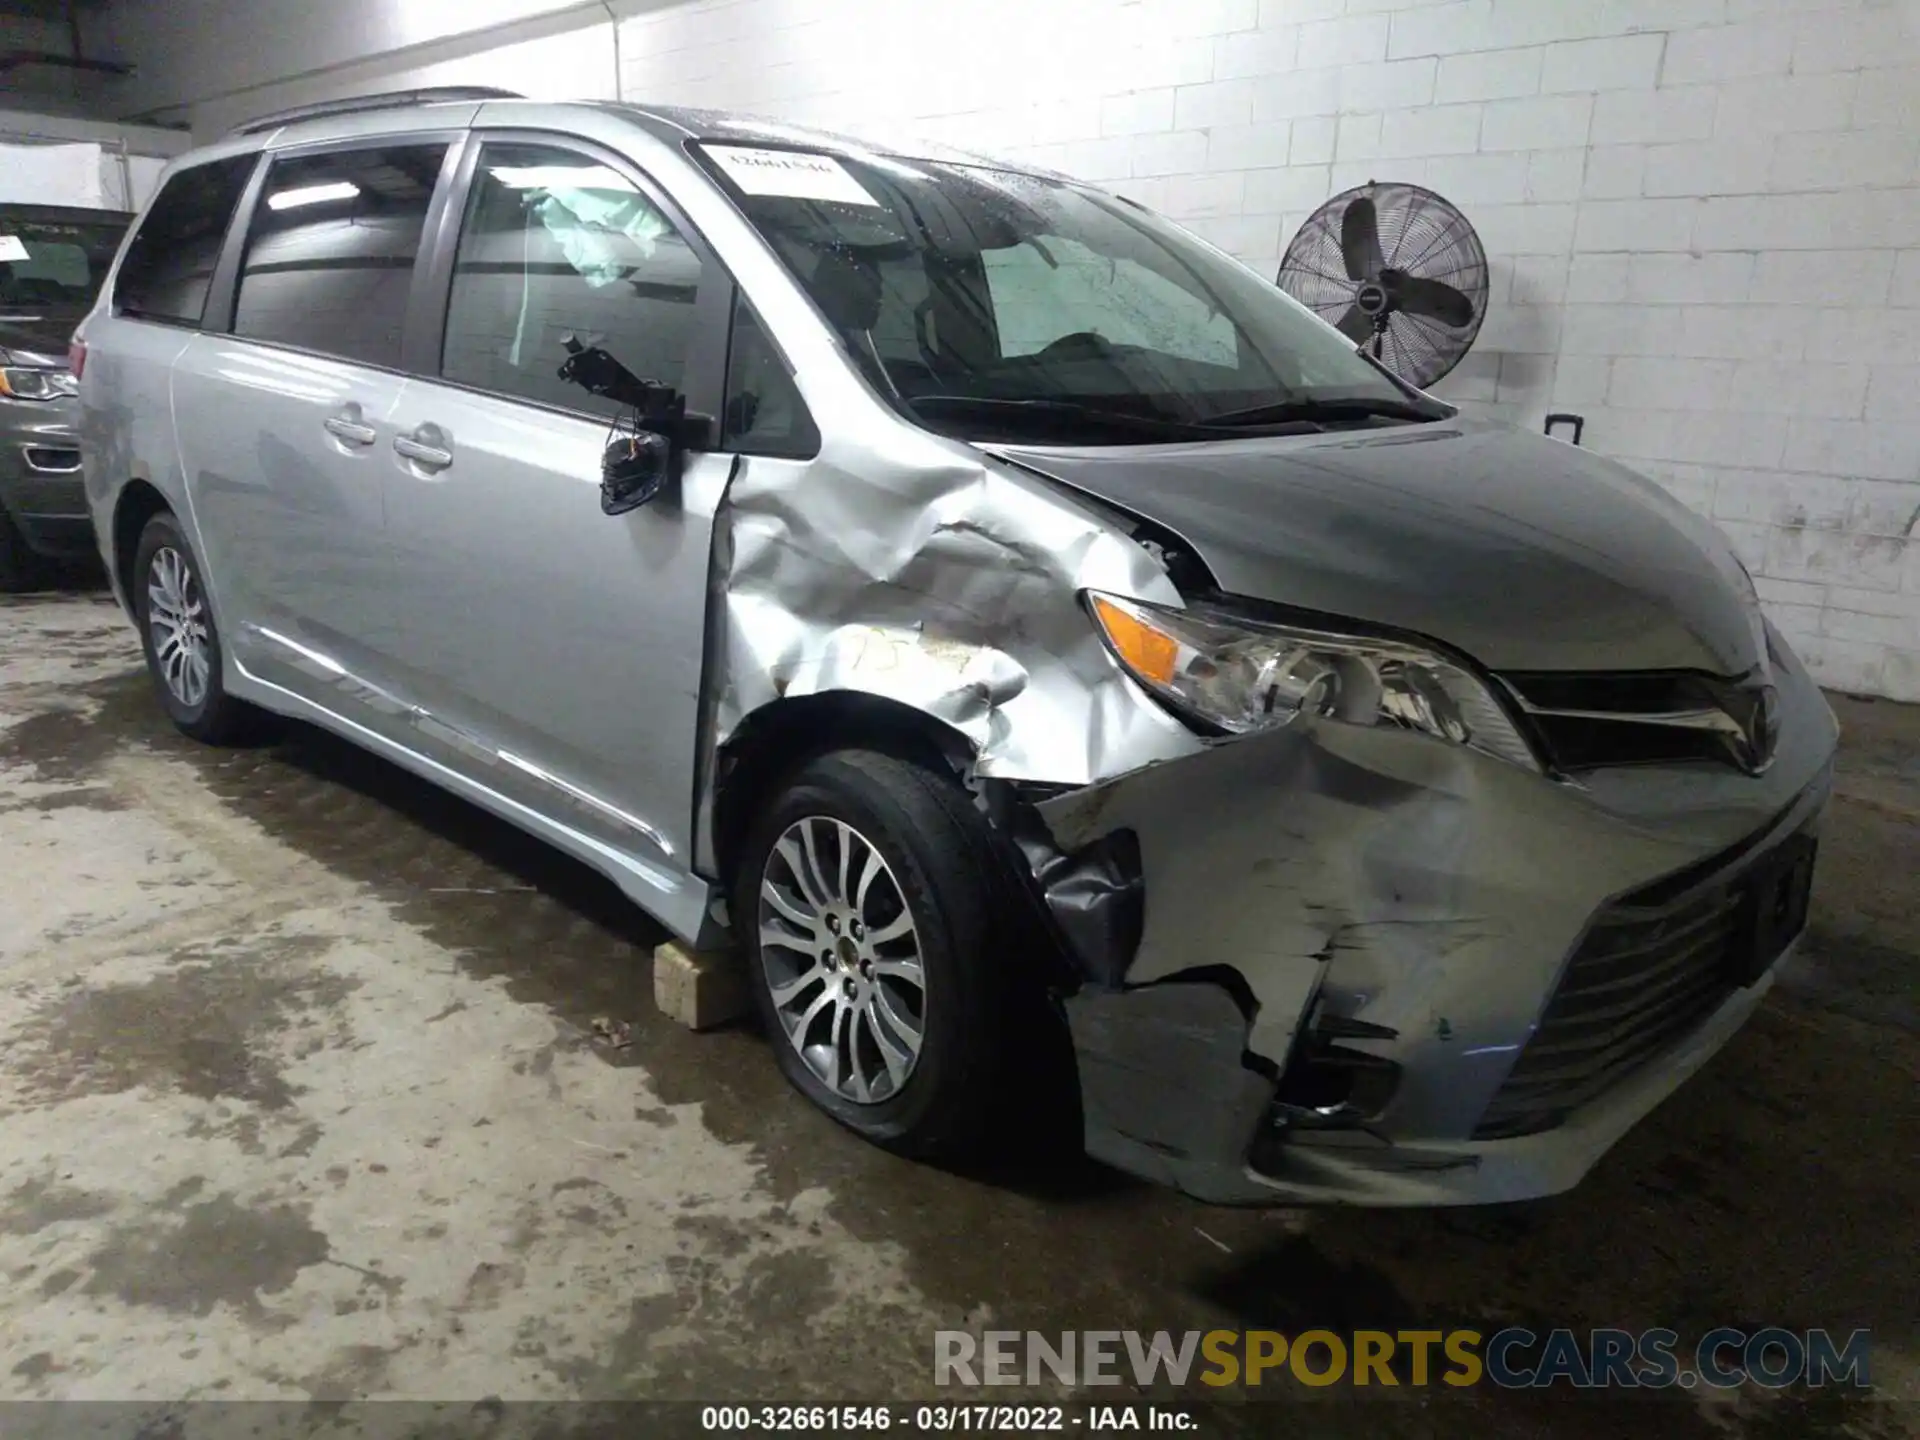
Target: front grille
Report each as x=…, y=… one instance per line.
x=1641, y=980
x=1587, y=722
x=1578, y=743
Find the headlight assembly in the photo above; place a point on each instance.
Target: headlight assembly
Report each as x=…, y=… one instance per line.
x=1237, y=676
x=22, y=383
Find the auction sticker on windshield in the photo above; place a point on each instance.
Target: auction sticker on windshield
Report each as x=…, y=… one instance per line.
x=11, y=247
x=793, y=174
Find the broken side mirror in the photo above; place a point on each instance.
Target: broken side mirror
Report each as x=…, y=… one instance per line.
x=640, y=462
x=643, y=454
x=634, y=468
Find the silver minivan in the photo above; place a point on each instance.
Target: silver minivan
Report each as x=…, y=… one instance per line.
x=1065, y=668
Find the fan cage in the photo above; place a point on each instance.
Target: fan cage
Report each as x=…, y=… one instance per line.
x=1422, y=234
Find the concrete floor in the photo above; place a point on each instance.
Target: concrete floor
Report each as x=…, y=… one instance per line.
x=300, y=1098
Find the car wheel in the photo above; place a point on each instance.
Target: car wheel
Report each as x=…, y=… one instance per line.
x=181, y=641
x=20, y=569
x=866, y=903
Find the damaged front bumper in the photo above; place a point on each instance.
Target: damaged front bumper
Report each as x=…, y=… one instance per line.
x=1363, y=967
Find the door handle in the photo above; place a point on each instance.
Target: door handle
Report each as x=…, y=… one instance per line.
x=427, y=457
x=351, y=431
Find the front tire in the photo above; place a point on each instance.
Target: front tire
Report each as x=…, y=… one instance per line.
x=181, y=641
x=866, y=904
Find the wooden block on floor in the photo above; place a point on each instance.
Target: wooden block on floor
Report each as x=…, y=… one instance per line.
x=699, y=988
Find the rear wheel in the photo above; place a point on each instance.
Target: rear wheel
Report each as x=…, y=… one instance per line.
x=181, y=641
x=866, y=904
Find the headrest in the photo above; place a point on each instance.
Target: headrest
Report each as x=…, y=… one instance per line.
x=847, y=288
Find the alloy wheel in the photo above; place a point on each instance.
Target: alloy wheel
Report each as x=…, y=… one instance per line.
x=842, y=959
x=177, y=623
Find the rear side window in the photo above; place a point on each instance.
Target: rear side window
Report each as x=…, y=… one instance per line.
x=331, y=247
x=170, y=262
x=555, y=244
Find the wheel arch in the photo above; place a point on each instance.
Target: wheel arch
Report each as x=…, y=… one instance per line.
x=137, y=503
x=781, y=736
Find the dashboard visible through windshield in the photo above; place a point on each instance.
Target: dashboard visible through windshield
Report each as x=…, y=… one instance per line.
x=52, y=262
x=993, y=304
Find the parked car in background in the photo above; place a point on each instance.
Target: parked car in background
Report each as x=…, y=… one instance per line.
x=52, y=260
x=1020, y=628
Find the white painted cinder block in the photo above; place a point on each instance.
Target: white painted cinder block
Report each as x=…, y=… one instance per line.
x=1489, y=75
x=1351, y=41
x=1313, y=141
x=1600, y=280
x=1257, y=52
x=1893, y=392
x=1654, y=384
x=1689, y=279
x=1845, y=160
x=1737, y=165
x=1300, y=94
x=1137, y=112
x=1431, y=130
x=1555, y=176
x=1614, y=172
x=1804, y=387
x=1546, y=123
x=1179, y=152
x=1636, y=226
x=1219, y=102
x=1888, y=508
x=1630, y=62
x=1296, y=12
x=1790, y=103
x=1729, y=52
x=1387, y=85
x=1702, y=216
x=1446, y=30
x=1823, y=277
x=1888, y=98
x=1287, y=189
x=1471, y=180
x=1855, y=37
x=1626, y=117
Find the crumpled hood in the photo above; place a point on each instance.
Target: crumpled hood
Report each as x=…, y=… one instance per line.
x=1526, y=553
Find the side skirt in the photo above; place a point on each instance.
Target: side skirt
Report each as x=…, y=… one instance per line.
x=673, y=895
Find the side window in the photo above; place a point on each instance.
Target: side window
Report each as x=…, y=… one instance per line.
x=331, y=248
x=765, y=414
x=170, y=263
x=555, y=244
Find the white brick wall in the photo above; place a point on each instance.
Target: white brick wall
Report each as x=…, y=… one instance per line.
x=1702, y=214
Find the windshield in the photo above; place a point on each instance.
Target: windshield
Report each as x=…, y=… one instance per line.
x=54, y=266
x=986, y=303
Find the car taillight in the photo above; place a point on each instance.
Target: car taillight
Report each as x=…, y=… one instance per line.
x=77, y=357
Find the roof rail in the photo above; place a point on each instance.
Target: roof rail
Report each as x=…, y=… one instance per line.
x=388, y=100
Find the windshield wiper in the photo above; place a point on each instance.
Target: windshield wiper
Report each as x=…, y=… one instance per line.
x=1333, y=410
x=990, y=405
